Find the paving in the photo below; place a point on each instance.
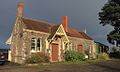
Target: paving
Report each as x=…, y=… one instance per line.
x=107, y=66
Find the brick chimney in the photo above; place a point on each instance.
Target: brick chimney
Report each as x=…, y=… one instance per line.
x=65, y=23
x=20, y=8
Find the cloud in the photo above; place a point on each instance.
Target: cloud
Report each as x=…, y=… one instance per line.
x=82, y=14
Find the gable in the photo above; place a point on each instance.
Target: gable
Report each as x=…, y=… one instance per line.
x=62, y=32
x=58, y=30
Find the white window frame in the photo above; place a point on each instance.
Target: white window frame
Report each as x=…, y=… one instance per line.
x=40, y=45
x=36, y=50
x=33, y=39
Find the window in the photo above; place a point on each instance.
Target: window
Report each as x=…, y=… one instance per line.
x=33, y=44
x=38, y=44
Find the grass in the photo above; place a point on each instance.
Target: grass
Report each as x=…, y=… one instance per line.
x=42, y=65
x=14, y=64
x=114, y=59
x=87, y=62
x=75, y=62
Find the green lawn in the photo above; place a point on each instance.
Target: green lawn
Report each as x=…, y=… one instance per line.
x=87, y=62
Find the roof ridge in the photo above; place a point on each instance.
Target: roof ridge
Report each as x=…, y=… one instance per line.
x=37, y=20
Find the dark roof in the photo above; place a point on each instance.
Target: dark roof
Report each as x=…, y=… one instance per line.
x=48, y=27
x=101, y=44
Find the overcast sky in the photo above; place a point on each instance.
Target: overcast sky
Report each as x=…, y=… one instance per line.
x=82, y=14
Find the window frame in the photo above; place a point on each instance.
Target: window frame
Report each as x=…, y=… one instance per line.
x=40, y=45
x=35, y=46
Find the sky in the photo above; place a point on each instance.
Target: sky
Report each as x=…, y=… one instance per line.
x=82, y=14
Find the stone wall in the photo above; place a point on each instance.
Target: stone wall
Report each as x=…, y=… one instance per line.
x=17, y=42
x=88, y=45
x=21, y=43
x=28, y=35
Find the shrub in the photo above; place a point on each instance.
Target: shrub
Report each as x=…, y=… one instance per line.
x=115, y=55
x=37, y=58
x=103, y=56
x=73, y=56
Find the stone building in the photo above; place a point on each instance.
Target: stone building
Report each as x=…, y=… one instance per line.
x=32, y=36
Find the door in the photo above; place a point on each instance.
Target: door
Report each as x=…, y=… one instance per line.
x=55, y=51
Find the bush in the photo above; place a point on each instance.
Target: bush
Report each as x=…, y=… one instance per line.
x=115, y=55
x=37, y=58
x=103, y=56
x=73, y=56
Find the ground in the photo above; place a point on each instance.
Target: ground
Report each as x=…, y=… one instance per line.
x=106, y=66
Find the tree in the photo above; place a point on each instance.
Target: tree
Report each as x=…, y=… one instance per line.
x=110, y=15
x=114, y=37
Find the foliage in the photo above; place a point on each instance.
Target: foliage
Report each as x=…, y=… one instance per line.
x=14, y=64
x=37, y=58
x=115, y=54
x=103, y=56
x=114, y=49
x=110, y=15
x=73, y=56
x=114, y=37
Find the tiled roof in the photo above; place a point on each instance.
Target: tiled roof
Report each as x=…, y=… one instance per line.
x=85, y=36
x=75, y=33
x=48, y=27
x=37, y=25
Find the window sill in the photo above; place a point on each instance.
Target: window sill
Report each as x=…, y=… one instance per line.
x=33, y=51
